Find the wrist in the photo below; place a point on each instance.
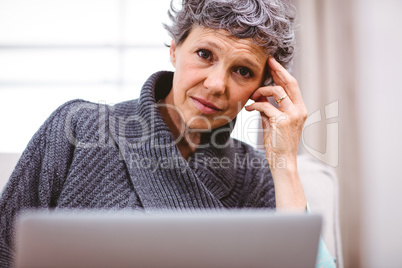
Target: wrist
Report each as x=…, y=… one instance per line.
x=282, y=164
x=289, y=191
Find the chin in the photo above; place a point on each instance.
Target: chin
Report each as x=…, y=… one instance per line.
x=199, y=125
x=204, y=125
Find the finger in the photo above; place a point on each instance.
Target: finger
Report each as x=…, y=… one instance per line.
x=264, y=107
x=291, y=88
x=283, y=78
x=257, y=95
x=277, y=92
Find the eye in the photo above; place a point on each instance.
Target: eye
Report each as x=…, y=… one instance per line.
x=245, y=72
x=205, y=54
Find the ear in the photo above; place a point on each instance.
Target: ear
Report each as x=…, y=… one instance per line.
x=173, y=53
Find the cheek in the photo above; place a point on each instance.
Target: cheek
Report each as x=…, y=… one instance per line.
x=239, y=98
x=183, y=83
x=185, y=65
x=186, y=71
x=236, y=104
x=243, y=95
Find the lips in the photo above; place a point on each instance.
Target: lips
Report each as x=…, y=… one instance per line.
x=205, y=106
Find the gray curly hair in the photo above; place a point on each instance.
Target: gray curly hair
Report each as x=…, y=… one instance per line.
x=268, y=22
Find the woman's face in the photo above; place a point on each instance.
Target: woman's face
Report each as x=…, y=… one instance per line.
x=215, y=75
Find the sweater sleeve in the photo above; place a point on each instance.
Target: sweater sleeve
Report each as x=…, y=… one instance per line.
x=259, y=185
x=38, y=176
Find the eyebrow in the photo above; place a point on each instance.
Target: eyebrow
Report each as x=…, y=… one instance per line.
x=250, y=63
x=212, y=44
x=217, y=47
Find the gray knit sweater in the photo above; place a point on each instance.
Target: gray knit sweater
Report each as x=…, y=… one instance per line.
x=94, y=156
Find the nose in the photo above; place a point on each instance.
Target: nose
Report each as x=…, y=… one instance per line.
x=216, y=81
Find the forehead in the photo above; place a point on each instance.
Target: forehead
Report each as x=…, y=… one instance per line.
x=224, y=40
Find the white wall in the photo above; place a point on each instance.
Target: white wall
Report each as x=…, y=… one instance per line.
x=379, y=85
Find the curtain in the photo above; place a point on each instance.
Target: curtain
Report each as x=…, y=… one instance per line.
x=324, y=68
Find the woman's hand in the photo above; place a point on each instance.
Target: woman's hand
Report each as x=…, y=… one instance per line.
x=282, y=129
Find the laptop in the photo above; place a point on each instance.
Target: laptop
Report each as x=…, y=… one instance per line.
x=253, y=238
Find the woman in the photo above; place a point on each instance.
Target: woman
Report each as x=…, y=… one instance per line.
x=171, y=148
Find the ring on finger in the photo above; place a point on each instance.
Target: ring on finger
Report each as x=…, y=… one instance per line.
x=282, y=98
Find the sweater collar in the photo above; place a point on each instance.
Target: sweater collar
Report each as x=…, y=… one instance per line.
x=144, y=130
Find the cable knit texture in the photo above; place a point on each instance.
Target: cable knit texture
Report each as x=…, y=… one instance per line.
x=95, y=156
